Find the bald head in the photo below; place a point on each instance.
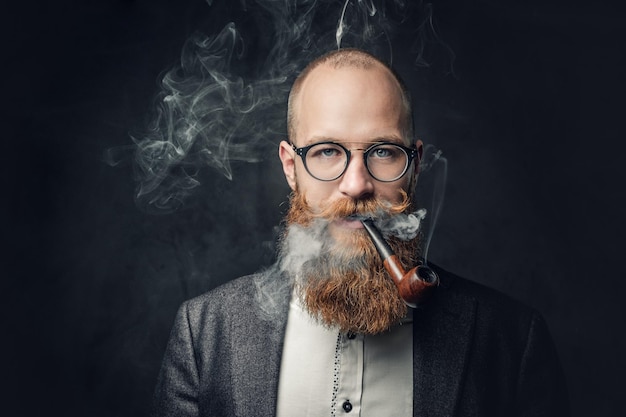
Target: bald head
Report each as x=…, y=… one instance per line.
x=350, y=59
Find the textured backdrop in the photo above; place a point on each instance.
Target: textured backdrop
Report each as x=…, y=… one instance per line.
x=530, y=121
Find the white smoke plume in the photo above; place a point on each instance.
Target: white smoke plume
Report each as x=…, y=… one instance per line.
x=403, y=226
x=226, y=100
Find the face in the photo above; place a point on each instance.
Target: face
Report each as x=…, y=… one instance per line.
x=346, y=286
x=354, y=107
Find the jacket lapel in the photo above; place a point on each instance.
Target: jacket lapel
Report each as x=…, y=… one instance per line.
x=442, y=332
x=257, y=350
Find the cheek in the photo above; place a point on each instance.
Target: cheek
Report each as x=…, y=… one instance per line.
x=315, y=192
x=392, y=192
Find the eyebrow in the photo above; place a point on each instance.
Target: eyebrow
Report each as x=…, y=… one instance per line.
x=318, y=139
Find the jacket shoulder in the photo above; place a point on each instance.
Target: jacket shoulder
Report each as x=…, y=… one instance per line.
x=231, y=293
x=489, y=302
x=263, y=295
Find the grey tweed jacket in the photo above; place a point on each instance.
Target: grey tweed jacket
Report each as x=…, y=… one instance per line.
x=476, y=353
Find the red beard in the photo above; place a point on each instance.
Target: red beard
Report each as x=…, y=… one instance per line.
x=345, y=285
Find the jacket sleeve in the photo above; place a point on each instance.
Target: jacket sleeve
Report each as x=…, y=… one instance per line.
x=541, y=389
x=176, y=391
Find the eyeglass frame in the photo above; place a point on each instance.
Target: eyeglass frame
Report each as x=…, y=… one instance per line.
x=411, y=154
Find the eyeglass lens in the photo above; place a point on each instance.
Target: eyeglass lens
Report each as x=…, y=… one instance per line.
x=328, y=161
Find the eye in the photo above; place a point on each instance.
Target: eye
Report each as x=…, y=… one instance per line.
x=382, y=152
x=325, y=151
x=329, y=152
x=385, y=152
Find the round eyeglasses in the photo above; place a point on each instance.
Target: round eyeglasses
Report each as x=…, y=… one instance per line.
x=385, y=161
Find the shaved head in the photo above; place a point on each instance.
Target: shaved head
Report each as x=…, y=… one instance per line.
x=348, y=58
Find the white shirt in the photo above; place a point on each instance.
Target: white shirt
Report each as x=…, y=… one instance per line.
x=325, y=373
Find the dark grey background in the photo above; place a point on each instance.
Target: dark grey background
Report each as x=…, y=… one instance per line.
x=531, y=124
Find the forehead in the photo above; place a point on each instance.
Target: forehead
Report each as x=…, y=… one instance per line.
x=350, y=82
x=349, y=104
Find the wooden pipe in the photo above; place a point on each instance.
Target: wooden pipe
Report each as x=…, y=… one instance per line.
x=414, y=285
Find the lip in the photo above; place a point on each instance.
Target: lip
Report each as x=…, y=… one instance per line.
x=349, y=223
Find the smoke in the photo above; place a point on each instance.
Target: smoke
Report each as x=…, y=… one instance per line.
x=207, y=117
x=403, y=226
x=224, y=103
x=226, y=100
x=304, y=244
x=301, y=244
x=429, y=192
x=367, y=31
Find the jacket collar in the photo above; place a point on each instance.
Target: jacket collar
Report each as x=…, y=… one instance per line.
x=442, y=331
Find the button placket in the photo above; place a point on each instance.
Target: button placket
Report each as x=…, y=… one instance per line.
x=350, y=387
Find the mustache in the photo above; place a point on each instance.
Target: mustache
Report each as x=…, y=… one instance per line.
x=370, y=207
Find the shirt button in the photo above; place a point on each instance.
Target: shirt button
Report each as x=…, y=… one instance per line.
x=347, y=407
x=351, y=335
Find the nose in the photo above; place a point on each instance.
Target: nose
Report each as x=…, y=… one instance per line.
x=356, y=182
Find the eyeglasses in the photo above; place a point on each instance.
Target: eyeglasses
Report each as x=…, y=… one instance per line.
x=327, y=161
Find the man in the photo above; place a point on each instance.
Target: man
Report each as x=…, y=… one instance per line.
x=324, y=332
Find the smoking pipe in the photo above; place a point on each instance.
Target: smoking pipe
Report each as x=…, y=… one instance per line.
x=413, y=286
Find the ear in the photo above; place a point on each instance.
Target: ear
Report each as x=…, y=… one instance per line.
x=419, y=145
x=287, y=158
